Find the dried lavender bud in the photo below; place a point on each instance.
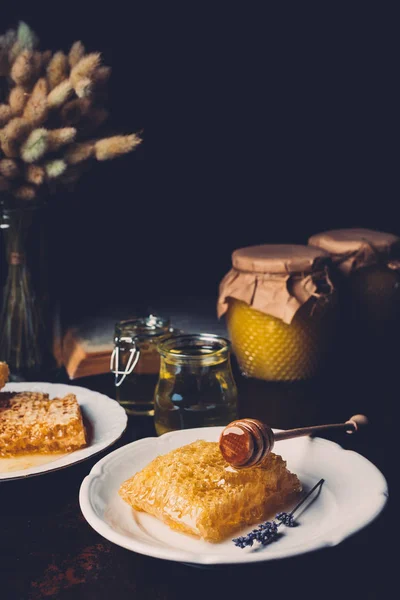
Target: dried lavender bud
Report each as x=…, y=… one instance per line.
x=264, y=534
x=267, y=535
x=286, y=519
x=241, y=542
x=268, y=532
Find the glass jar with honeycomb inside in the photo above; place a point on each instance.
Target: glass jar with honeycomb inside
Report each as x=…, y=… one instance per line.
x=280, y=308
x=195, y=387
x=368, y=272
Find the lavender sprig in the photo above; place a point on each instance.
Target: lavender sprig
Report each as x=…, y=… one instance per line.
x=286, y=519
x=268, y=532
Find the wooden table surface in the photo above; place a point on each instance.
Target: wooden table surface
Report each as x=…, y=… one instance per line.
x=48, y=551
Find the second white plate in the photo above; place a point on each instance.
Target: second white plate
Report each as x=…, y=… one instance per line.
x=105, y=420
x=353, y=494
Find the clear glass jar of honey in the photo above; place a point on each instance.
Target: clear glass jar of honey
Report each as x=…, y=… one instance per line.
x=195, y=387
x=280, y=310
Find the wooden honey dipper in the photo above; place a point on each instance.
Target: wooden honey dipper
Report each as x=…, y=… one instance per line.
x=246, y=442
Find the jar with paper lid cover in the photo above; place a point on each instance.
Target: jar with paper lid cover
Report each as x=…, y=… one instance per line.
x=368, y=264
x=280, y=307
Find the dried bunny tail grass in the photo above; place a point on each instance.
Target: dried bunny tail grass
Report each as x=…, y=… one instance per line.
x=38, y=64
x=117, y=145
x=78, y=153
x=36, y=107
x=7, y=39
x=55, y=168
x=76, y=53
x=73, y=111
x=60, y=137
x=5, y=185
x=46, y=57
x=13, y=52
x=17, y=100
x=15, y=129
x=12, y=134
x=82, y=74
x=23, y=70
x=60, y=94
x=34, y=174
x=101, y=76
x=26, y=36
x=5, y=114
x=35, y=146
x=25, y=192
x=86, y=67
x=9, y=168
x=84, y=88
x=57, y=69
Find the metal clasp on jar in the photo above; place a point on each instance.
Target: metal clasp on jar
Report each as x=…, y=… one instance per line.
x=134, y=355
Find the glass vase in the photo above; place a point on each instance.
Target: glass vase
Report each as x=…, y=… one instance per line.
x=26, y=315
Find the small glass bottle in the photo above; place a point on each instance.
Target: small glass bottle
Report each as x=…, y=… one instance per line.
x=196, y=387
x=135, y=361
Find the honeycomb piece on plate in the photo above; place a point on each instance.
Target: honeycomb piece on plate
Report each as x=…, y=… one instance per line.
x=30, y=422
x=193, y=490
x=4, y=374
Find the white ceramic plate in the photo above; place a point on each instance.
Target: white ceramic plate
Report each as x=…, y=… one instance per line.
x=353, y=494
x=104, y=419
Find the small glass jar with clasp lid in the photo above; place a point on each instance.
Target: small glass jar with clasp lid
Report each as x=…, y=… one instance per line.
x=196, y=387
x=135, y=361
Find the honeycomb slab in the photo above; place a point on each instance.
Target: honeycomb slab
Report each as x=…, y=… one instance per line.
x=193, y=490
x=32, y=423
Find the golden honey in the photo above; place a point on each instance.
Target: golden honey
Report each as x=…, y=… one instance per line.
x=195, y=387
x=267, y=348
x=279, y=305
x=193, y=490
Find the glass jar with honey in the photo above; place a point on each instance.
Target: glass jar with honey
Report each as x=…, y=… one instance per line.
x=196, y=387
x=368, y=271
x=280, y=309
x=135, y=361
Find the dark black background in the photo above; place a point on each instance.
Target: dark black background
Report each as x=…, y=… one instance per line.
x=259, y=126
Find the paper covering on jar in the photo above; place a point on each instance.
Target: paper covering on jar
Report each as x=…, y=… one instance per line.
x=353, y=249
x=277, y=294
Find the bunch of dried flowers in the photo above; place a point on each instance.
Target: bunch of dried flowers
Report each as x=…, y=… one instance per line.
x=51, y=109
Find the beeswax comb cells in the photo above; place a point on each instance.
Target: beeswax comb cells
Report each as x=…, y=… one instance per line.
x=193, y=490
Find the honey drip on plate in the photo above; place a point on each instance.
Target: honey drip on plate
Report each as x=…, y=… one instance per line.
x=27, y=461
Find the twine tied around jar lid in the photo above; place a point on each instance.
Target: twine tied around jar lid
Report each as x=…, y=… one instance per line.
x=277, y=279
x=353, y=249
